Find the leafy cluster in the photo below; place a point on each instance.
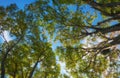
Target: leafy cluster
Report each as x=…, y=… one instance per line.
x=88, y=49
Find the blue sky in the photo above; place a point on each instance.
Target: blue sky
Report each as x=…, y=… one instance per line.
x=20, y=3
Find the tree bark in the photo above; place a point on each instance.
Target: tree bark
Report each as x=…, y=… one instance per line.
x=113, y=28
x=113, y=4
x=3, y=69
x=32, y=71
x=99, y=7
x=5, y=56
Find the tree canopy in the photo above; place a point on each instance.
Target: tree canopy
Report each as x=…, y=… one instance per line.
x=87, y=33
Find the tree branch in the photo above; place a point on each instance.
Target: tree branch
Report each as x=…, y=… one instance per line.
x=32, y=71
x=112, y=4
x=109, y=19
x=5, y=56
x=112, y=28
x=34, y=67
x=115, y=41
x=99, y=7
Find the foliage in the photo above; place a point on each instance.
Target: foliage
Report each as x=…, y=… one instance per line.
x=44, y=22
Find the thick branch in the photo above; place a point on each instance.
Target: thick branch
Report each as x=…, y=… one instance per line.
x=99, y=7
x=112, y=4
x=4, y=58
x=115, y=41
x=32, y=71
x=105, y=44
x=108, y=20
x=34, y=67
x=113, y=28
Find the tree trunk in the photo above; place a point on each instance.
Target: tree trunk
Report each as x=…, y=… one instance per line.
x=3, y=69
x=5, y=56
x=32, y=71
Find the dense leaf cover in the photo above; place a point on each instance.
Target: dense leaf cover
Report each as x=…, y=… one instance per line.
x=87, y=32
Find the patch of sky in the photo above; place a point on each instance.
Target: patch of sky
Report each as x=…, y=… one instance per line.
x=72, y=7
x=20, y=3
x=56, y=44
x=87, y=10
x=98, y=19
x=113, y=22
x=5, y=36
x=63, y=68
